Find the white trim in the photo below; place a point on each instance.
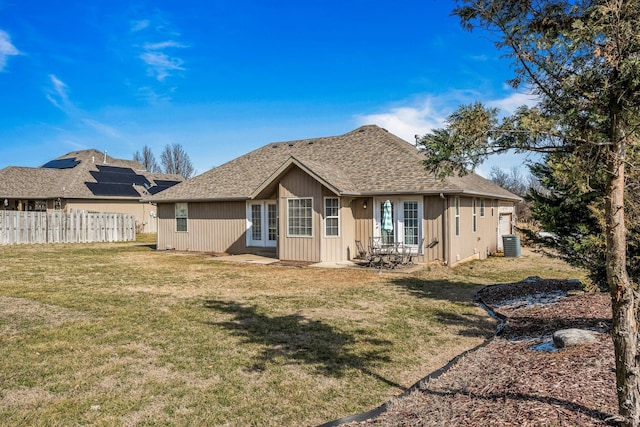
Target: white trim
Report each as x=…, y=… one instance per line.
x=186, y=217
x=263, y=241
x=398, y=220
x=324, y=217
x=312, y=218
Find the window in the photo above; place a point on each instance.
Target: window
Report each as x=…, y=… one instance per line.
x=482, y=208
x=331, y=217
x=491, y=207
x=411, y=223
x=474, y=216
x=457, y=203
x=300, y=217
x=272, y=219
x=256, y=221
x=182, y=213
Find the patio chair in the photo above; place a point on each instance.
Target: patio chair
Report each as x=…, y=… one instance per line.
x=362, y=252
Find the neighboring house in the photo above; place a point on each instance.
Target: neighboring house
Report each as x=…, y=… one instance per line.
x=87, y=180
x=311, y=200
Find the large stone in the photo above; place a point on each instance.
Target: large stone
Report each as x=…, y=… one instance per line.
x=570, y=337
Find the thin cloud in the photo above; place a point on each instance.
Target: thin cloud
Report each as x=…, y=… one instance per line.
x=102, y=128
x=163, y=45
x=58, y=95
x=158, y=56
x=6, y=49
x=139, y=25
x=160, y=64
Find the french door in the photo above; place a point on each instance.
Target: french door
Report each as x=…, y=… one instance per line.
x=406, y=220
x=262, y=223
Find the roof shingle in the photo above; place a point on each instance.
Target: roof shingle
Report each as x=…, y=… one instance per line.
x=367, y=161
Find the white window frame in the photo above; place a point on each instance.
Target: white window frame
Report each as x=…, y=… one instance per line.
x=182, y=213
x=398, y=220
x=456, y=202
x=263, y=240
x=336, y=217
x=289, y=218
x=482, y=207
x=474, y=215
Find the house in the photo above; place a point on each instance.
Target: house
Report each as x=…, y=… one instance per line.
x=85, y=180
x=311, y=200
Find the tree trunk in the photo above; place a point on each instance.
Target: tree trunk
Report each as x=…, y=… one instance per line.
x=624, y=327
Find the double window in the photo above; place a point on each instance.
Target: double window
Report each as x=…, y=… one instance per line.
x=300, y=217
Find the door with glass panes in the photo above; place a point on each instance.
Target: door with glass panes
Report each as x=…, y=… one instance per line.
x=262, y=223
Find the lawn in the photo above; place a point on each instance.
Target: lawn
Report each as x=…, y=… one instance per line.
x=121, y=334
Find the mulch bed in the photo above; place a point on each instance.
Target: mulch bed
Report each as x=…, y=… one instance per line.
x=509, y=383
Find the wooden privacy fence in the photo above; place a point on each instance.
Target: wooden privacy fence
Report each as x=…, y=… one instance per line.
x=61, y=227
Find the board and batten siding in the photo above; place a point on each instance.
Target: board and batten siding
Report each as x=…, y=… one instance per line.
x=433, y=228
x=363, y=220
x=297, y=184
x=472, y=244
x=211, y=227
x=337, y=248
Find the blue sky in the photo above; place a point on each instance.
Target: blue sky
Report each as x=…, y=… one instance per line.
x=224, y=77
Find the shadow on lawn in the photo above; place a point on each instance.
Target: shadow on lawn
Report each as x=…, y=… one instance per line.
x=299, y=339
x=458, y=293
x=438, y=289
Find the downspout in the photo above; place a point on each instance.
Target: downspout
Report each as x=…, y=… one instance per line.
x=445, y=236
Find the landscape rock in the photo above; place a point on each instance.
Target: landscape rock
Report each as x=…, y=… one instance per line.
x=573, y=336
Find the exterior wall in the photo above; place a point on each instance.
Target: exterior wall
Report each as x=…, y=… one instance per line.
x=433, y=228
x=211, y=227
x=363, y=220
x=297, y=184
x=337, y=248
x=470, y=244
x=145, y=213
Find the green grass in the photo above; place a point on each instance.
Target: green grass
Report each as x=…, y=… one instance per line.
x=119, y=334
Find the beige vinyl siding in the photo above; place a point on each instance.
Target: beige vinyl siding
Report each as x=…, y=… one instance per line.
x=470, y=244
x=462, y=245
x=297, y=184
x=347, y=229
x=212, y=227
x=487, y=234
x=335, y=249
x=363, y=219
x=433, y=228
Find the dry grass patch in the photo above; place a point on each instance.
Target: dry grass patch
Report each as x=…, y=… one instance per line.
x=120, y=334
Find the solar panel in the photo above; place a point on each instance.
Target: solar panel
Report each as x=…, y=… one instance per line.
x=119, y=178
x=67, y=163
x=116, y=169
x=110, y=189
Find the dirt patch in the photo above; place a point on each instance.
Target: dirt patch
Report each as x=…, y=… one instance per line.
x=507, y=382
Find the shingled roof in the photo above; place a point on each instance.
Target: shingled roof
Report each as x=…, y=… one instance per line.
x=368, y=161
x=86, y=174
